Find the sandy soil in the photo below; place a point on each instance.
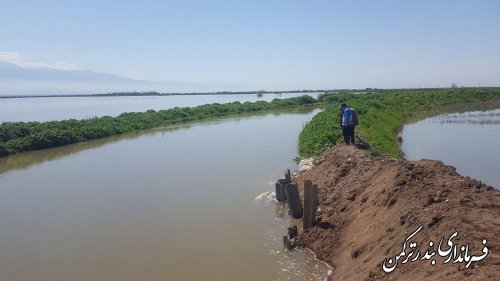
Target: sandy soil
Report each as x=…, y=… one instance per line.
x=368, y=206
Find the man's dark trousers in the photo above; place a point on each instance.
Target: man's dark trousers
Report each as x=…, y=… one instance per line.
x=348, y=132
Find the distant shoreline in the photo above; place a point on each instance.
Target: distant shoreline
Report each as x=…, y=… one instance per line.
x=154, y=93
x=147, y=94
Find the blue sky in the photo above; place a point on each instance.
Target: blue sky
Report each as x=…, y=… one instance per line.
x=262, y=44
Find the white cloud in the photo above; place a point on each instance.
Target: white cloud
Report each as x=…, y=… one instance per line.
x=17, y=59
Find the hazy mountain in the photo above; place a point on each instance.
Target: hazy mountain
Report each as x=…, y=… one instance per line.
x=17, y=80
x=9, y=71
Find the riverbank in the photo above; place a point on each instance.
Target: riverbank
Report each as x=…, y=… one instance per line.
x=368, y=206
x=383, y=114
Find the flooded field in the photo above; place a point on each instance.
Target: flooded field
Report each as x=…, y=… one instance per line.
x=165, y=204
x=469, y=141
x=59, y=108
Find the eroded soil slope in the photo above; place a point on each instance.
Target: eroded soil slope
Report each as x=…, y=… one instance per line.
x=368, y=206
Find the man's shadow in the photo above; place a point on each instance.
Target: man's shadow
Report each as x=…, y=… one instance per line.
x=361, y=144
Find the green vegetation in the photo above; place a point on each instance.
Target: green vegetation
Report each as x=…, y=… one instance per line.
x=17, y=137
x=382, y=115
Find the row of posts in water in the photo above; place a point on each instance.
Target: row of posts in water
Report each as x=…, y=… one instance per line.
x=288, y=192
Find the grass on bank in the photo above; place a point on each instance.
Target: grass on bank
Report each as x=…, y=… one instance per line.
x=16, y=137
x=382, y=115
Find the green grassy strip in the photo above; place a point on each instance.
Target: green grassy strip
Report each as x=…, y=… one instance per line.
x=18, y=137
x=382, y=115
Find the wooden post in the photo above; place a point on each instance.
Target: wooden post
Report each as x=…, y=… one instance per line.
x=310, y=204
x=287, y=243
x=280, y=191
x=288, y=176
x=293, y=199
x=293, y=232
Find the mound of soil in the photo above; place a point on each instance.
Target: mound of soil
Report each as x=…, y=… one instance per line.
x=369, y=205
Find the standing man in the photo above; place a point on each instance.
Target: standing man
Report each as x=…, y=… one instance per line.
x=347, y=123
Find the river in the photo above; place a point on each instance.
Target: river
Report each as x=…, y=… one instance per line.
x=59, y=108
x=165, y=204
x=468, y=141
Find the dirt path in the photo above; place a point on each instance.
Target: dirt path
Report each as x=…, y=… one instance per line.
x=368, y=206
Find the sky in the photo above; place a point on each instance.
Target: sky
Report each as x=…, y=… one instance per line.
x=270, y=45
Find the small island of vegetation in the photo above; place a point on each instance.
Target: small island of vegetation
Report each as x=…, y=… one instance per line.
x=16, y=137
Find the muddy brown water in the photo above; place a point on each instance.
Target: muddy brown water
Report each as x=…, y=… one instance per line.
x=164, y=204
x=468, y=141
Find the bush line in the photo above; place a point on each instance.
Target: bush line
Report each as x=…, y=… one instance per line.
x=16, y=137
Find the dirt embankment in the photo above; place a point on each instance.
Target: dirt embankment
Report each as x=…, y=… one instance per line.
x=368, y=206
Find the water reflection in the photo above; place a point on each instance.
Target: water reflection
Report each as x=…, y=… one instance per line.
x=469, y=141
x=165, y=204
x=26, y=160
x=473, y=118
